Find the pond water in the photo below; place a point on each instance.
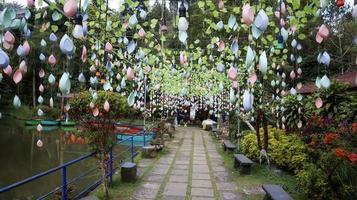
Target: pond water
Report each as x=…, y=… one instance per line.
x=21, y=158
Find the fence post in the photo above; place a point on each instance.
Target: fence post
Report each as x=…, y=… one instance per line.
x=110, y=166
x=64, y=183
x=132, y=148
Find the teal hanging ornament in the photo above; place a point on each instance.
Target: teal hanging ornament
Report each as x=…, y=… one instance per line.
x=280, y=44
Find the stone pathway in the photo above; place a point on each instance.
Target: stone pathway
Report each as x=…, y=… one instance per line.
x=192, y=169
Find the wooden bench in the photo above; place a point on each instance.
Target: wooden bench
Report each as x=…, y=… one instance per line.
x=243, y=163
x=275, y=192
x=228, y=145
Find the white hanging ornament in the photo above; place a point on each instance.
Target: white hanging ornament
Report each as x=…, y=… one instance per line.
x=39, y=143
x=183, y=24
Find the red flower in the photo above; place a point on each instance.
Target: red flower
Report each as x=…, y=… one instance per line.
x=330, y=137
x=353, y=158
x=340, y=153
x=354, y=126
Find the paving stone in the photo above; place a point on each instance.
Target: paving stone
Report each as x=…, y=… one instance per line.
x=179, y=179
x=202, y=192
x=147, y=191
x=202, y=183
x=253, y=190
x=199, y=162
x=182, y=162
x=223, y=176
x=219, y=169
x=201, y=176
x=226, y=186
x=202, y=198
x=175, y=189
x=160, y=171
x=231, y=196
x=200, y=168
x=201, y=158
x=181, y=166
x=155, y=178
x=179, y=172
x=165, y=197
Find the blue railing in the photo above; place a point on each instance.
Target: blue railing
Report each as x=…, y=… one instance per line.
x=63, y=168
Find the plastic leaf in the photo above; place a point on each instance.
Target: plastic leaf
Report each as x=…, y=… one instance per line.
x=65, y=83
x=17, y=76
x=247, y=100
x=325, y=82
x=232, y=21
x=263, y=63
x=131, y=46
x=16, y=102
x=51, y=79
x=66, y=45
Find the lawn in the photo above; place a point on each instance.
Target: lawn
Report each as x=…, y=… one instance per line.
x=260, y=174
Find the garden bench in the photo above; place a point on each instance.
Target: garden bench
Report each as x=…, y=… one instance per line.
x=275, y=192
x=243, y=162
x=128, y=172
x=228, y=145
x=149, y=151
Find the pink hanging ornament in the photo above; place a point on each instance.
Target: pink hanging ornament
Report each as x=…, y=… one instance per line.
x=9, y=37
x=84, y=54
x=221, y=45
x=318, y=102
x=235, y=84
x=232, y=73
x=8, y=70
x=106, y=106
x=7, y=46
x=23, y=66
x=141, y=33
x=17, y=76
x=52, y=60
x=221, y=5
x=252, y=78
x=39, y=143
x=95, y=112
x=41, y=88
x=41, y=74
x=108, y=47
x=130, y=74
x=70, y=8
x=26, y=47
x=30, y=3
x=248, y=15
x=51, y=102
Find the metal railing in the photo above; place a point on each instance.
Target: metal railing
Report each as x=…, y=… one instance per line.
x=64, y=179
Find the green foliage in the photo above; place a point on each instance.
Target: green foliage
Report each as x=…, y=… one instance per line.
x=287, y=151
x=292, y=111
x=338, y=103
x=312, y=181
x=118, y=104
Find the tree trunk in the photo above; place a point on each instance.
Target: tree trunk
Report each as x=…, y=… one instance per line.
x=33, y=87
x=257, y=127
x=104, y=176
x=265, y=127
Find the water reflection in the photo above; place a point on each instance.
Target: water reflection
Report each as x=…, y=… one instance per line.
x=21, y=156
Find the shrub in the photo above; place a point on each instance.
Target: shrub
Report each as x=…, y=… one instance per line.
x=287, y=151
x=118, y=104
x=312, y=182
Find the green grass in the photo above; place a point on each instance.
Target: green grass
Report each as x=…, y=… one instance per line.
x=260, y=174
x=24, y=112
